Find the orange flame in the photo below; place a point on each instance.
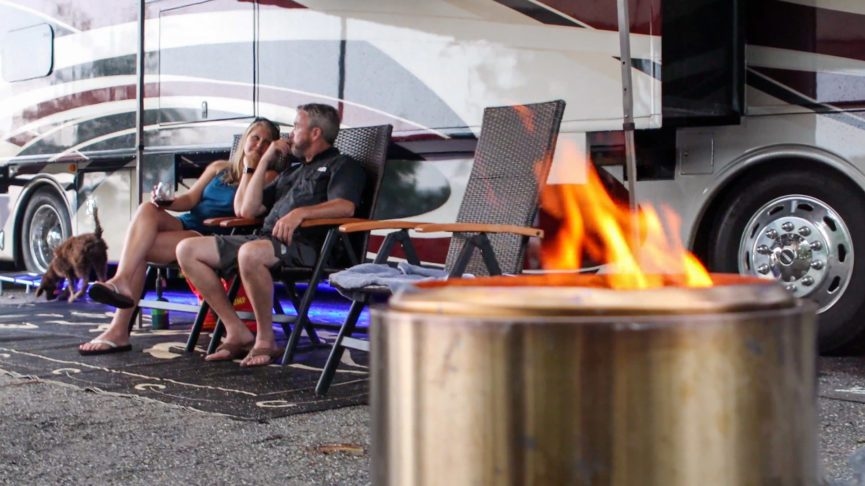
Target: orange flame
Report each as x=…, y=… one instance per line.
x=591, y=223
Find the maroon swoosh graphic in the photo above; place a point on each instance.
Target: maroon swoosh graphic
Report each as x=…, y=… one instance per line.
x=74, y=100
x=785, y=25
x=352, y=115
x=644, y=15
x=276, y=3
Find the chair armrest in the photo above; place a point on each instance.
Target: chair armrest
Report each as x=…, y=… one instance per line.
x=479, y=228
x=216, y=221
x=309, y=223
x=233, y=222
x=394, y=224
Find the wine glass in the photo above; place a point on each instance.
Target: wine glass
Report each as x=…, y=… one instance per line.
x=163, y=194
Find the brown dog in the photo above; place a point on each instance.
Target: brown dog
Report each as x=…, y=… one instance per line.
x=73, y=260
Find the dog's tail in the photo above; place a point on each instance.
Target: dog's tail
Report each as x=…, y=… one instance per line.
x=98, y=230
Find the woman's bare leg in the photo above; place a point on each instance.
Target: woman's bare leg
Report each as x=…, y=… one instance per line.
x=143, y=243
x=162, y=250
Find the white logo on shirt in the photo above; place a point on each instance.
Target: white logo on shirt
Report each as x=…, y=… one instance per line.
x=322, y=169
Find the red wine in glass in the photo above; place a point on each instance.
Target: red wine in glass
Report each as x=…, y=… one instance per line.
x=163, y=196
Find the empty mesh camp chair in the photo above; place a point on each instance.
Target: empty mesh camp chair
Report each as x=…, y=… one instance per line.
x=511, y=163
x=367, y=145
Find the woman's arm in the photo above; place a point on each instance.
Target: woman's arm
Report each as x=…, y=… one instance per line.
x=248, y=198
x=190, y=198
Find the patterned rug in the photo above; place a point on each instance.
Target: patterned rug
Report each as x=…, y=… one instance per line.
x=40, y=339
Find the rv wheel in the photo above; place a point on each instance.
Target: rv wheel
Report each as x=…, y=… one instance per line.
x=806, y=230
x=44, y=226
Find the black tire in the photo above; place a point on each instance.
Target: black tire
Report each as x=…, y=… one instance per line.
x=819, y=255
x=45, y=225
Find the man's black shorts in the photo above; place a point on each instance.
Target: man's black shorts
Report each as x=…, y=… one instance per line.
x=296, y=254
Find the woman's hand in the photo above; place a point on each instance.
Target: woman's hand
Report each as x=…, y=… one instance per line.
x=158, y=199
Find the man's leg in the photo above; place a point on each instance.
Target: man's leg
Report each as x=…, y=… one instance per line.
x=199, y=258
x=254, y=261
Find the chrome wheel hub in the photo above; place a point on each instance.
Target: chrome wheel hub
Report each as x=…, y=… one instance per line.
x=801, y=242
x=46, y=232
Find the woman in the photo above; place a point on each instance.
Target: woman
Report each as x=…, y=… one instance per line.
x=154, y=234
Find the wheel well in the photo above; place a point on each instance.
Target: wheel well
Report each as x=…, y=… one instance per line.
x=27, y=195
x=742, y=180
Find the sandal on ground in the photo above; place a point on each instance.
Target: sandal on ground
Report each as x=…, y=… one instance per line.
x=272, y=354
x=108, y=294
x=112, y=348
x=234, y=351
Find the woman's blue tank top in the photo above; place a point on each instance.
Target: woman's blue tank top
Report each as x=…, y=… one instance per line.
x=217, y=200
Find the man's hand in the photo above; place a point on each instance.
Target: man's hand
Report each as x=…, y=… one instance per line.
x=284, y=228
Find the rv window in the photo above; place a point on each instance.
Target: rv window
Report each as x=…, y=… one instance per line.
x=28, y=53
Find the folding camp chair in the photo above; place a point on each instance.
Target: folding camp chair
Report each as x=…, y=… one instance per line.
x=511, y=164
x=369, y=146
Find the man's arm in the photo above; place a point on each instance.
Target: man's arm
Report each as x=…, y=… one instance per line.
x=248, y=198
x=334, y=208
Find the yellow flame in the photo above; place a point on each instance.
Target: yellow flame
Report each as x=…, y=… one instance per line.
x=591, y=223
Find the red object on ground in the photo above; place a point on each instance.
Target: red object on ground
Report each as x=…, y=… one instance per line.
x=241, y=304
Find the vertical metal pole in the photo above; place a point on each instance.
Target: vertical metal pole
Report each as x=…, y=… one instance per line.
x=628, y=112
x=139, y=95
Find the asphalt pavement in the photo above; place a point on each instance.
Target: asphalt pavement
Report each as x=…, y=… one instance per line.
x=57, y=434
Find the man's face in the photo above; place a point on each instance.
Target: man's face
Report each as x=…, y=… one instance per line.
x=301, y=135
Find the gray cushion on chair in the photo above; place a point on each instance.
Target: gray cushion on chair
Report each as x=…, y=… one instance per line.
x=371, y=274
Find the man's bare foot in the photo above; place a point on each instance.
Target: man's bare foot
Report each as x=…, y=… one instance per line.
x=261, y=357
x=228, y=351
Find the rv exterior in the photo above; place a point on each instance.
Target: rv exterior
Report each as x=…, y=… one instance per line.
x=71, y=126
x=746, y=113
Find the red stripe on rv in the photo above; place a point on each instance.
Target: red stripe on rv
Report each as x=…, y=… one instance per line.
x=789, y=26
x=277, y=3
x=645, y=15
x=22, y=139
x=75, y=100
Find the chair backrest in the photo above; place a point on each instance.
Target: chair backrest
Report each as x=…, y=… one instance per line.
x=512, y=160
x=280, y=164
x=367, y=145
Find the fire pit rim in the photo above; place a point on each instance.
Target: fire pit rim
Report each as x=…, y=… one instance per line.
x=504, y=295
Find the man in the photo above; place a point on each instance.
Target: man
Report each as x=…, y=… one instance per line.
x=326, y=185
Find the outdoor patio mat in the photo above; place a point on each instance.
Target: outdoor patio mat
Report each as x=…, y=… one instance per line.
x=40, y=339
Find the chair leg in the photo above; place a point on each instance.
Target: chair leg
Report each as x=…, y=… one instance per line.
x=137, y=312
x=302, y=320
x=197, y=324
x=215, y=337
x=278, y=310
x=336, y=351
x=300, y=323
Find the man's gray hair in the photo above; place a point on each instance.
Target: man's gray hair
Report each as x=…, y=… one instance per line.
x=325, y=117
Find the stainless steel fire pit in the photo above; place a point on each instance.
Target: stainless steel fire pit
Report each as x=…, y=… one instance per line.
x=534, y=381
